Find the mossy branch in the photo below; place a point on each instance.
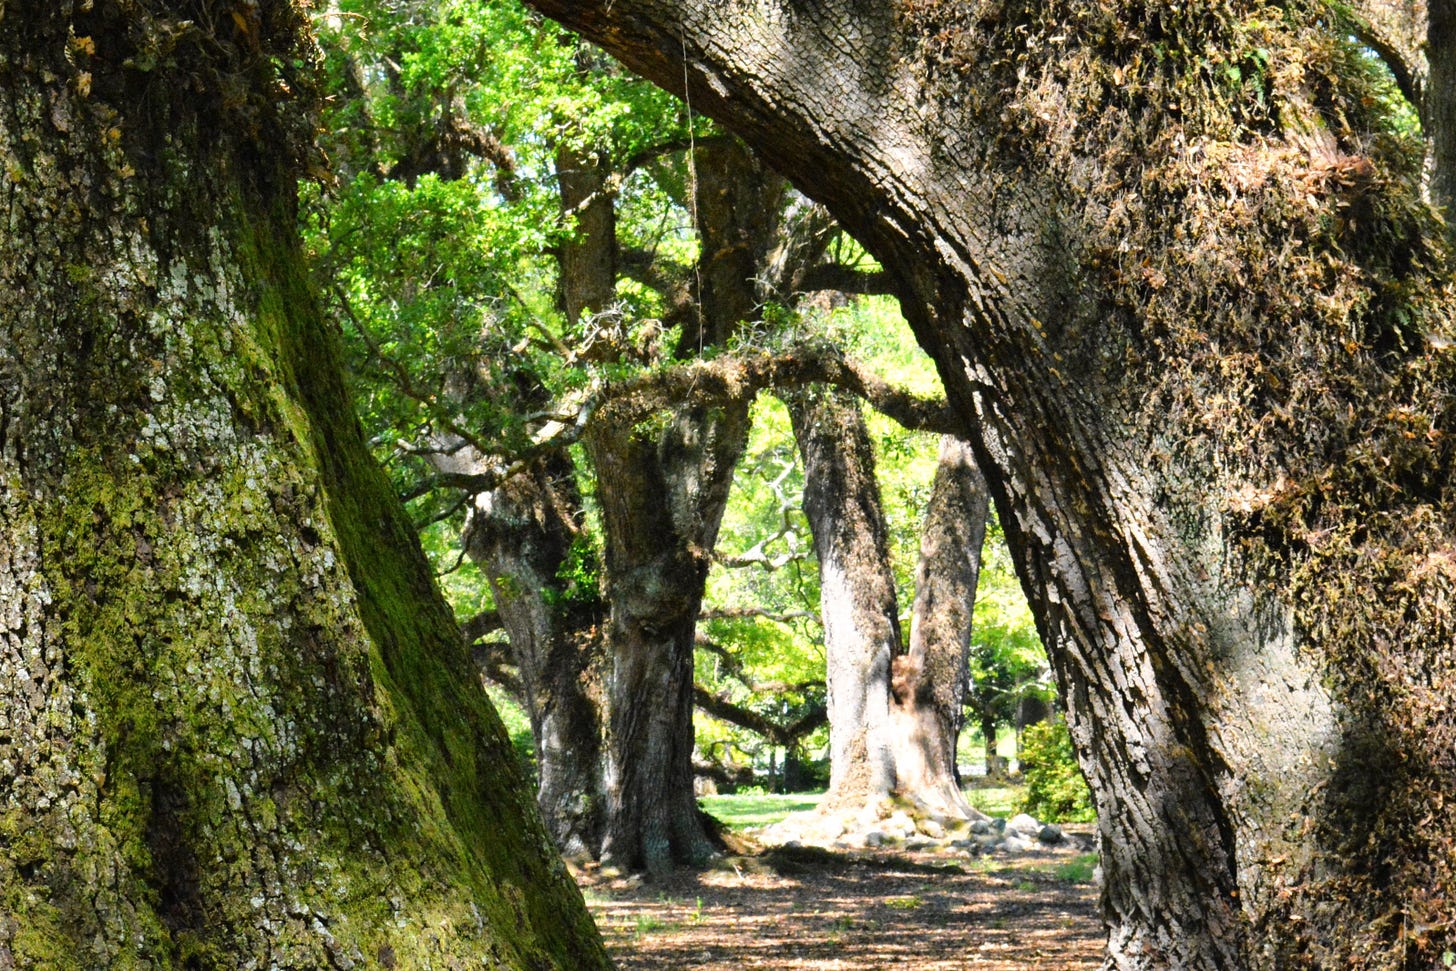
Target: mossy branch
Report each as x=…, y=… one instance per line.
x=733, y=377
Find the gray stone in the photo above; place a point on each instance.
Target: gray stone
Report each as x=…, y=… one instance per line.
x=1016, y=844
x=918, y=843
x=930, y=827
x=982, y=827
x=875, y=838
x=1023, y=825
x=900, y=822
x=1050, y=833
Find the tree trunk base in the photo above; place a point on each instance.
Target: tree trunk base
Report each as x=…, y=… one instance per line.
x=922, y=821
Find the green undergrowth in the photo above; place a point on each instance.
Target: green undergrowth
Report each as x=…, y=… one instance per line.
x=996, y=800
x=754, y=810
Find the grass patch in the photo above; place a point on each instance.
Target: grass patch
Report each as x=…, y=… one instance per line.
x=1078, y=869
x=651, y=924
x=752, y=811
x=996, y=800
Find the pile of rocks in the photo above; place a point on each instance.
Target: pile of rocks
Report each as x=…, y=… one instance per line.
x=887, y=824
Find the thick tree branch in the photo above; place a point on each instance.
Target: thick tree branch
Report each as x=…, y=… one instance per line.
x=667, y=278
x=735, y=377
x=731, y=775
x=733, y=668
x=697, y=384
x=492, y=660
x=785, y=735
x=746, y=613
x=672, y=146
x=845, y=279
x=446, y=149
x=480, y=625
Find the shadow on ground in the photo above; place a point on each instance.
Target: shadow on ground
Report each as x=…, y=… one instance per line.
x=809, y=910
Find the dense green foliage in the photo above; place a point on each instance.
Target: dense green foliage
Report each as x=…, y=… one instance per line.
x=436, y=247
x=437, y=251
x=1055, y=789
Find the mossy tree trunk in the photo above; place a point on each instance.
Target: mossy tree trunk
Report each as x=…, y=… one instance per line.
x=526, y=536
x=1186, y=297
x=238, y=728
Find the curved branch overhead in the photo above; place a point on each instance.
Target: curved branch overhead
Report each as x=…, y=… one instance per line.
x=1129, y=232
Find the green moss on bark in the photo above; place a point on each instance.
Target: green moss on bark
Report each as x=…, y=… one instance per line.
x=238, y=726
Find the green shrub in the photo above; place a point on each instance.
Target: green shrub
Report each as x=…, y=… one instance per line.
x=1055, y=789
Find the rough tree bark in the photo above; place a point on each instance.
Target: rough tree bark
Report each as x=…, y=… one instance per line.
x=1195, y=321
x=660, y=516
x=856, y=592
x=894, y=709
x=236, y=725
x=1439, y=115
x=589, y=259
x=928, y=682
x=526, y=537
x=662, y=489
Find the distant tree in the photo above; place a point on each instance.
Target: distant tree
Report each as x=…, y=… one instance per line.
x=894, y=709
x=857, y=600
x=626, y=343
x=929, y=681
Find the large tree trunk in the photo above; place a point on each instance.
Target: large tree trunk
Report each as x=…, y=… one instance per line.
x=1440, y=108
x=662, y=490
x=894, y=710
x=1195, y=322
x=526, y=537
x=928, y=682
x=238, y=727
x=856, y=592
x=662, y=499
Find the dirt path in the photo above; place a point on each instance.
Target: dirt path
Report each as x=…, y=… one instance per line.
x=812, y=911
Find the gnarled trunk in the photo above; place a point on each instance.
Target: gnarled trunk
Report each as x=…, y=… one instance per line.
x=1194, y=321
x=894, y=709
x=662, y=491
x=525, y=537
x=238, y=727
x=928, y=682
x=856, y=592
x=662, y=500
